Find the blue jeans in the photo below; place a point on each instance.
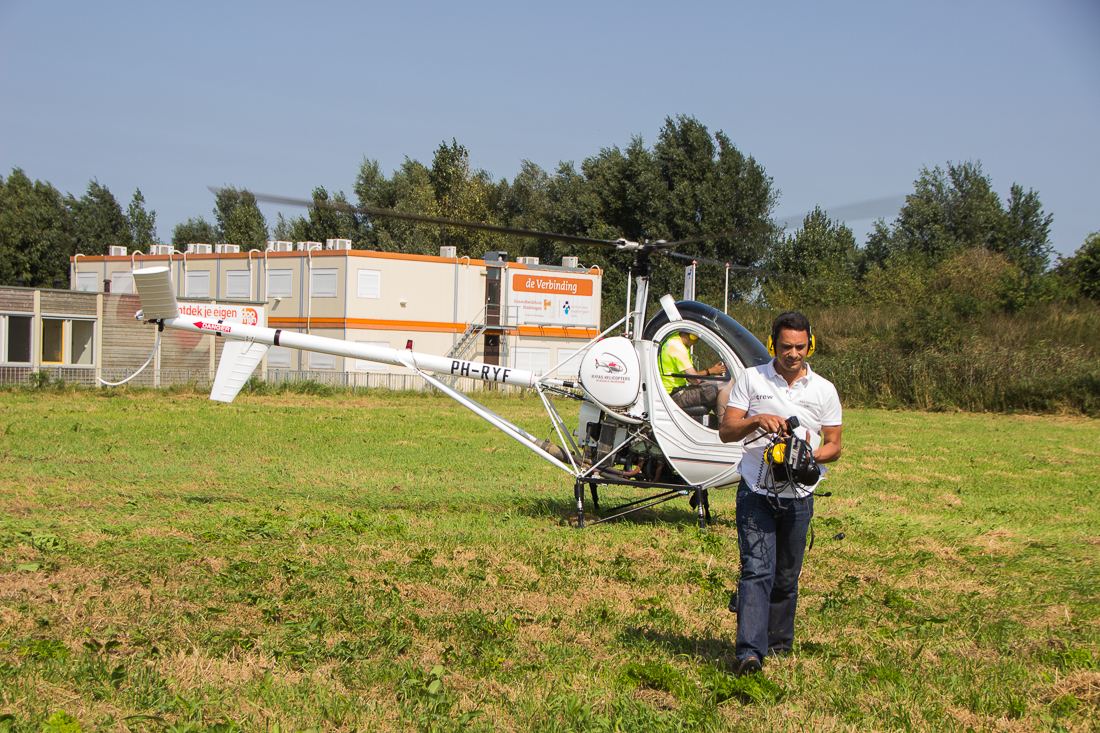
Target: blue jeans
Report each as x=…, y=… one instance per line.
x=771, y=534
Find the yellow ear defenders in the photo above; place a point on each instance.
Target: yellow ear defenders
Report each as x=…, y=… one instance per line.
x=773, y=335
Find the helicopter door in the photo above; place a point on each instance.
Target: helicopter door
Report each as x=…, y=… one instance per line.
x=689, y=440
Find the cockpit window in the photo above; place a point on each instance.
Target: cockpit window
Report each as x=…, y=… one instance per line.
x=695, y=375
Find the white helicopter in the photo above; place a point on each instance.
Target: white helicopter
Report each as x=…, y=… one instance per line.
x=630, y=433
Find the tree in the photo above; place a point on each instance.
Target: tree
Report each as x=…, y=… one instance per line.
x=194, y=230
x=1024, y=234
x=36, y=232
x=465, y=194
x=238, y=220
x=292, y=230
x=143, y=224
x=450, y=189
x=713, y=188
x=1084, y=267
x=957, y=209
x=99, y=221
x=691, y=184
x=408, y=190
x=325, y=223
x=821, y=260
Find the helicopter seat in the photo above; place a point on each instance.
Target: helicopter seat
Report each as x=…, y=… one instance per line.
x=699, y=413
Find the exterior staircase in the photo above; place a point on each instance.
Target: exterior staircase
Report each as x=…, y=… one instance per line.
x=467, y=342
x=466, y=346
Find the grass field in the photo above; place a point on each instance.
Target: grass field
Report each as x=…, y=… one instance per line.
x=388, y=562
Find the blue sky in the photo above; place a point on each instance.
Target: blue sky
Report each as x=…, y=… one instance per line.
x=841, y=102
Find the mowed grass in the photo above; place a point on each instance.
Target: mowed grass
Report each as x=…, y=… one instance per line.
x=389, y=562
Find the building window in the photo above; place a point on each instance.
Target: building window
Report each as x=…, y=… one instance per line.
x=83, y=336
x=238, y=284
x=53, y=339
x=198, y=284
x=87, y=282
x=370, y=284
x=66, y=341
x=321, y=361
x=363, y=365
x=122, y=282
x=324, y=282
x=280, y=283
x=533, y=360
x=15, y=339
x=278, y=357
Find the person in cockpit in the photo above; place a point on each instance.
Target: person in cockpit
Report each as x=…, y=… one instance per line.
x=678, y=375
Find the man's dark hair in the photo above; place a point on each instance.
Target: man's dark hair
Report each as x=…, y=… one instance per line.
x=790, y=321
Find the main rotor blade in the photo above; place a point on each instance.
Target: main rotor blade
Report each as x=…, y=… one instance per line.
x=708, y=261
x=748, y=269
x=437, y=220
x=881, y=208
x=697, y=240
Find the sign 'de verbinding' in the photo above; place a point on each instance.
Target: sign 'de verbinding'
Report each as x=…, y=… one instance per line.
x=552, y=299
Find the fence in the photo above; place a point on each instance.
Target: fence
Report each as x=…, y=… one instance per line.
x=203, y=378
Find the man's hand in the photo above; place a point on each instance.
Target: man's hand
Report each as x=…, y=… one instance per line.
x=736, y=427
x=717, y=370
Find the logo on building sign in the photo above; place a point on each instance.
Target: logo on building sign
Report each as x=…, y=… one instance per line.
x=249, y=317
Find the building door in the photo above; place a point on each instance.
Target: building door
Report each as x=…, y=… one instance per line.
x=492, y=348
x=492, y=296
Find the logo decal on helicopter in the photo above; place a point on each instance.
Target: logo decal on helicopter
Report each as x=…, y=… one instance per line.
x=611, y=365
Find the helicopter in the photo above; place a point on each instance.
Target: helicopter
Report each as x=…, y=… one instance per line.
x=631, y=432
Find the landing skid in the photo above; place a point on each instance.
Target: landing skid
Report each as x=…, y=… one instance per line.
x=699, y=499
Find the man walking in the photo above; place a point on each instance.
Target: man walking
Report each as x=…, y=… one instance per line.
x=774, y=512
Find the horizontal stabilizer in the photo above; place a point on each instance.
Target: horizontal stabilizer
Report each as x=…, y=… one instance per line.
x=154, y=286
x=239, y=360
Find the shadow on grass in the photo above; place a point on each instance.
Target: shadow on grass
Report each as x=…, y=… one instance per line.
x=704, y=648
x=564, y=510
x=214, y=499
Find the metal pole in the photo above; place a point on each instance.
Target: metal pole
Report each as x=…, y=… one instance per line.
x=726, y=301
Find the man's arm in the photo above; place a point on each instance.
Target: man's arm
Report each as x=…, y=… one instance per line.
x=830, y=447
x=736, y=427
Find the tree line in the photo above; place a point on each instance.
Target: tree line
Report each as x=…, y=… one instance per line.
x=955, y=243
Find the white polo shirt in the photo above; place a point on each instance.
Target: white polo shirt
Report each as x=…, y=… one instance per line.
x=762, y=390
